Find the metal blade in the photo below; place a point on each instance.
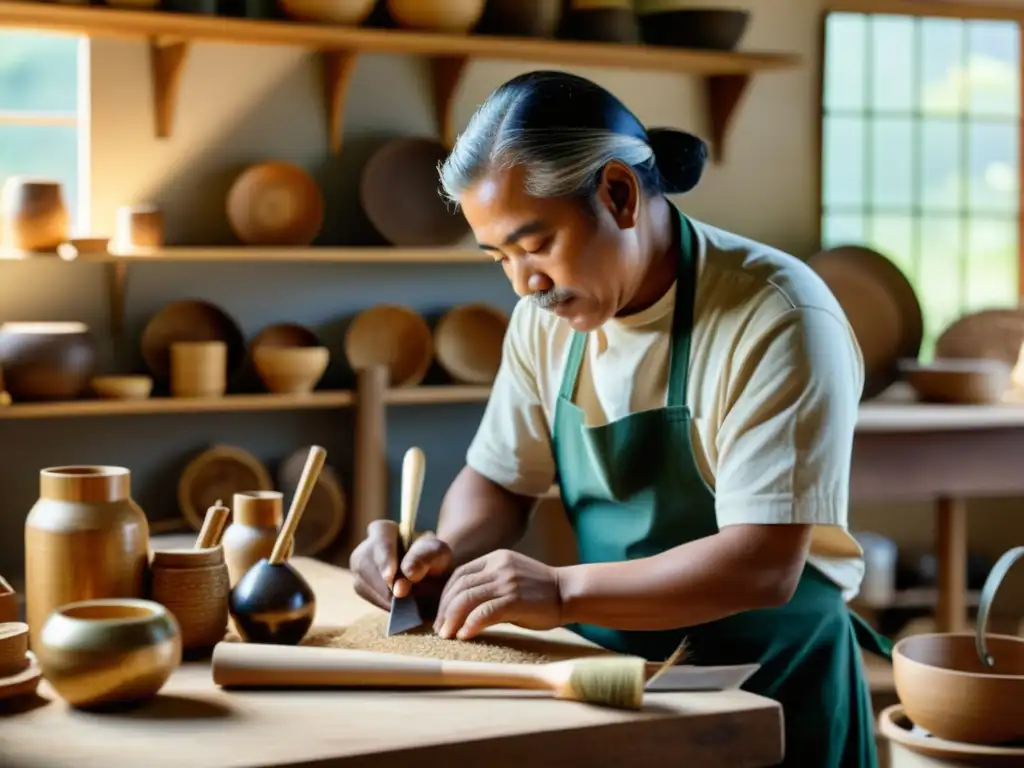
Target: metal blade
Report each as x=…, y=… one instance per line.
x=405, y=615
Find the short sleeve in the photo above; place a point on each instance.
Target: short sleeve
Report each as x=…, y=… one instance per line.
x=512, y=446
x=786, y=441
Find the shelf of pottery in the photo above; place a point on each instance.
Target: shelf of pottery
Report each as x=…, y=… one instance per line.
x=637, y=35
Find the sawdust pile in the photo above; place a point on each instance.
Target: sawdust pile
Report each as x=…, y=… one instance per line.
x=370, y=634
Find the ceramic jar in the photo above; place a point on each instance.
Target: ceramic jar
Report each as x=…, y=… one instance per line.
x=255, y=520
x=97, y=653
x=85, y=539
x=193, y=585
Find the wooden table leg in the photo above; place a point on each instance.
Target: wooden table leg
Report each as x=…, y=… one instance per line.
x=951, y=554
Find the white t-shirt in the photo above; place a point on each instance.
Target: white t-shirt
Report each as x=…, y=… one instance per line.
x=774, y=386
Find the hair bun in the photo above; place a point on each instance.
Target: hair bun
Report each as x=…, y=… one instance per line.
x=680, y=157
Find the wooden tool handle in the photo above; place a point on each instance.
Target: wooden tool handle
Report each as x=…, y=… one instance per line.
x=268, y=666
x=213, y=526
x=310, y=474
x=413, y=470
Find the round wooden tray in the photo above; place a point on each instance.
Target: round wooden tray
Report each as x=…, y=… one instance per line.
x=218, y=473
x=324, y=517
x=881, y=307
x=897, y=728
x=22, y=683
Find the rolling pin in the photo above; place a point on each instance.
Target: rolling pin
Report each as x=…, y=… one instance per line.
x=615, y=681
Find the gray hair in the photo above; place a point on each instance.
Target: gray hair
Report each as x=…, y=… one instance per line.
x=563, y=161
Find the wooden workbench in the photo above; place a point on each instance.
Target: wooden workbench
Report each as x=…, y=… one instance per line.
x=193, y=723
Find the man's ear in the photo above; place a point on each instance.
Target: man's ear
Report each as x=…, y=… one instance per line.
x=619, y=193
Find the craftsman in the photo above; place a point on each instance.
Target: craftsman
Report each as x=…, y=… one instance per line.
x=694, y=395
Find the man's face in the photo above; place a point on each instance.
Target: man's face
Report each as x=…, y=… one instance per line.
x=575, y=261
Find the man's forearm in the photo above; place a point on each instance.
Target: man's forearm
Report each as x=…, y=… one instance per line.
x=478, y=516
x=740, y=569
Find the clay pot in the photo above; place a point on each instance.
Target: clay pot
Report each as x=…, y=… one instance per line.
x=85, y=539
x=100, y=652
x=523, y=18
x=452, y=16
x=256, y=518
x=33, y=214
x=193, y=585
x=46, y=361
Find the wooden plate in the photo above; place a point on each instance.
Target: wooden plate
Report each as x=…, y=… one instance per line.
x=897, y=728
x=218, y=473
x=881, y=307
x=24, y=682
x=994, y=334
x=395, y=337
x=325, y=511
x=468, y=342
x=189, y=320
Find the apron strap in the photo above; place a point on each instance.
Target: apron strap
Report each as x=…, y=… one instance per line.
x=682, y=316
x=572, y=365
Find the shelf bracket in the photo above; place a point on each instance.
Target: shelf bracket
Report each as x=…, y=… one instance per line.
x=117, y=286
x=723, y=94
x=338, y=67
x=167, y=56
x=446, y=73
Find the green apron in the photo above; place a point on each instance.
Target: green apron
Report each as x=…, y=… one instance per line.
x=624, y=503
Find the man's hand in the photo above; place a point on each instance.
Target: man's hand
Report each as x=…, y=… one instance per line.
x=503, y=586
x=374, y=563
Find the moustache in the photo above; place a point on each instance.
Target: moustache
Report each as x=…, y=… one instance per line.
x=551, y=298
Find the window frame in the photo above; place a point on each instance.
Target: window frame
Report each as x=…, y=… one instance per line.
x=80, y=119
x=957, y=9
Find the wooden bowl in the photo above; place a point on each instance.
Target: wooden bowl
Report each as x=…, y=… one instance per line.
x=452, y=16
x=719, y=29
x=46, y=361
x=522, y=18
x=946, y=690
x=399, y=193
x=13, y=648
x=604, y=22
x=468, y=342
x=189, y=320
x=958, y=381
x=275, y=204
x=102, y=652
x=122, y=387
x=33, y=214
x=344, y=12
x=291, y=370
x=285, y=335
x=394, y=337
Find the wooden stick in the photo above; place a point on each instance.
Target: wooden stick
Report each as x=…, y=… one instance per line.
x=310, y=474
x=413, y=469
x=213, y=525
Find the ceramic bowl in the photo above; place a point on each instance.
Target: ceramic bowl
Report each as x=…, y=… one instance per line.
x=343, y=12
x=452, y=16
x=47, y=361
x=122, y=387
x=99, y=653
x=963, y=381
x=945, y=689
x=290, y=370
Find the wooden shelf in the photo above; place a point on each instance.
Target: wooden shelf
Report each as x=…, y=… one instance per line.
x=726, y=74
x=232, y=403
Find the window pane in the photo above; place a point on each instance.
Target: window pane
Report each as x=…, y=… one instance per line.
x=994, y=167
x=992, y=278
x=843, y=161
x=892, y=158
x=940, y=164
x=994, y=81
x=894, y=236
x=938, y=285
x=842, y=229
x=42, y=151
x=38, y=72
x=942, y=71
x=892, y=63
x=844, y=61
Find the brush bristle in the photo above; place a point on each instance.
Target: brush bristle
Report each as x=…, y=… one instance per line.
x=611, y=682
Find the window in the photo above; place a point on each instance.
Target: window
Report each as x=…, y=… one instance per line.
x=41, y=114
x=920, y=154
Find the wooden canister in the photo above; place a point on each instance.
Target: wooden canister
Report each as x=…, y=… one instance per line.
x=255, y=520
x=85, y=539
x=199, y=368
x=193, y=585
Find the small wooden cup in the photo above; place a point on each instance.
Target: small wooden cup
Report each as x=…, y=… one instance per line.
x=199, y=368
x=139, y=227
x=193, y=585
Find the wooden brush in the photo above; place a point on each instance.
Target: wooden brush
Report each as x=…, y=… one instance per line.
x=610, y=681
